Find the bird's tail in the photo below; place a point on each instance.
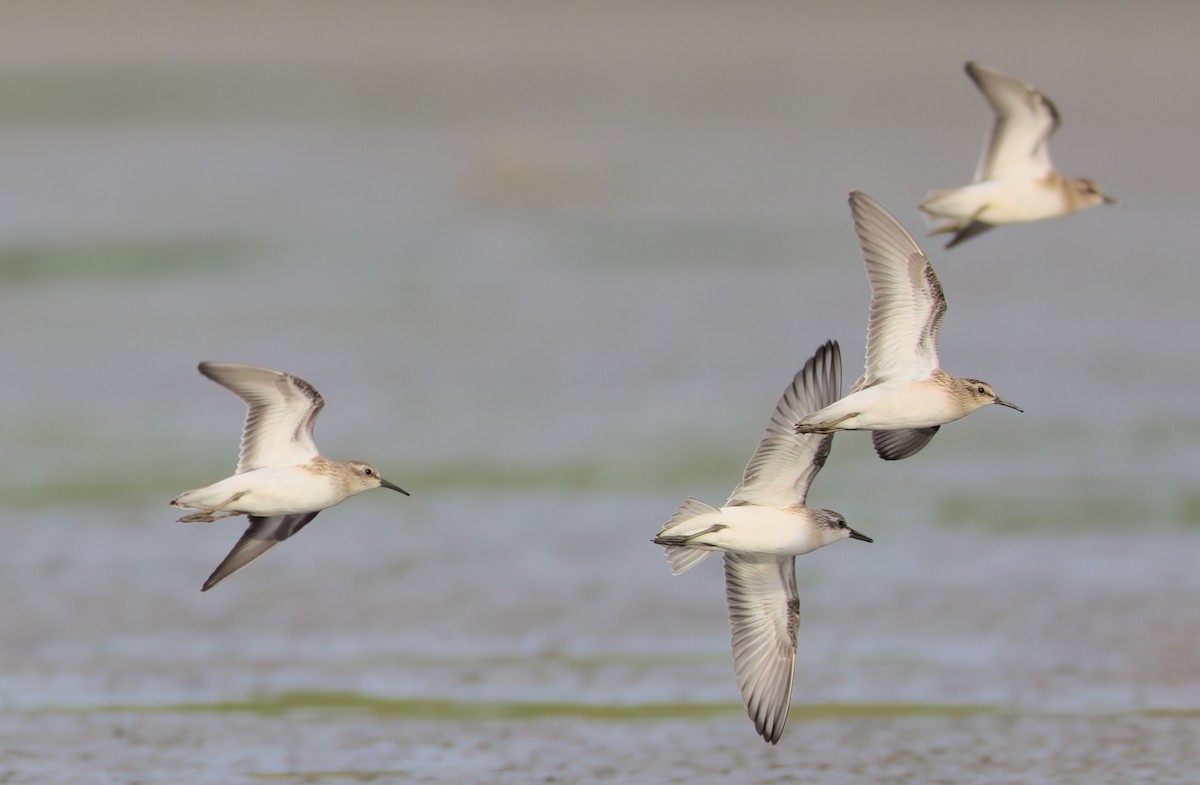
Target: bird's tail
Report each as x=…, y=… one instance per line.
x=938, y=206
x=693, y=519
x=958, y=210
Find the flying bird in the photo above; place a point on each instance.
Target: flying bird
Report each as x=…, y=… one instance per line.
x=903, y=396
x=281, y=481
x=1015, y=182
x=762, y=528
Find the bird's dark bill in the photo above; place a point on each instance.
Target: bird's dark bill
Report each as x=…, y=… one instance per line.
x=392, y=486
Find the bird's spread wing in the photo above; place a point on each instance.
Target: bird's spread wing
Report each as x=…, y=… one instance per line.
x=972, y=229
x=764, y=613
x=894, y=445
x=907, y=303
x=281, y=412
x=783, y=466
x=1018, y=143
x=261, y=535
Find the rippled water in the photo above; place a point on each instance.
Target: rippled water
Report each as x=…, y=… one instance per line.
x=550, y=271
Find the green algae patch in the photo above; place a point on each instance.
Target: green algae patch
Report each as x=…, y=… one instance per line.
x=118, y=262
x=320, y=775
x=478, y=711
x=582, y=662
x=834, y=711
x=652, y=471
x=432, y=709
x=1098, y=505
x=102, y=485
x=1182, y=713
x=117, y=486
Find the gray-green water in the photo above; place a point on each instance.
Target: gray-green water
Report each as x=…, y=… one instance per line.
x=550, y=267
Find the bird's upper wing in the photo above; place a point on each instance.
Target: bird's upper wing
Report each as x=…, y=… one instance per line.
x=281, y=412
x=1018, y=142
x=261, y=535
x=783, y=466
x=907, y=303
x=764, y=613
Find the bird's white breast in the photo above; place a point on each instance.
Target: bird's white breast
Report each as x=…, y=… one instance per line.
x=753, y=529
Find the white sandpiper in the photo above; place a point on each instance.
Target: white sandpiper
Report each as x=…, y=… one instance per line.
x=762, y=528
x=903, y=396
x=1015, y=181
x=281, y=481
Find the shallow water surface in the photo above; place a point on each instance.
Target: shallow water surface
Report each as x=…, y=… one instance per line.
x=550, y=272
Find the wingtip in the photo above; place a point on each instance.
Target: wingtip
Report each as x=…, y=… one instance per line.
x=861, y=205
x=862, y=202
x=219, y=574
x=771, y=727
x=833, y=347
x=826, y=373
x=210, y=369
x=976, y=70
x=876, y=225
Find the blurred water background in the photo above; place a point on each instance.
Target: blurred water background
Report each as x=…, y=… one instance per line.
x=550, y=265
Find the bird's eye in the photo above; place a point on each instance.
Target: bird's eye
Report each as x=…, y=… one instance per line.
x=981, y=390
x=367, y=471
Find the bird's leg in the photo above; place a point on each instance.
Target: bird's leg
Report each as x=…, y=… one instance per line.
x=207, y=516
x=829, y=426
x=683, y=540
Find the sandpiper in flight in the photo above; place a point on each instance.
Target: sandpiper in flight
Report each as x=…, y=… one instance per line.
x=281, y=481
x=1015, y=181
x=903, y=396
x=762, y=528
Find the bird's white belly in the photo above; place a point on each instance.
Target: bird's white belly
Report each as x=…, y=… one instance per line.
x=1002, y=201
x=767, y=530
x=275, y=490
x=899, y=405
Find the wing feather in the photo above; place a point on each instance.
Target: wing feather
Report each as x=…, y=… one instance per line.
x=281, y=411
x=894, y=445
x=907, y=301
x=785, y=462
x=261, y=535
x=1017, y=144
x=764, y=614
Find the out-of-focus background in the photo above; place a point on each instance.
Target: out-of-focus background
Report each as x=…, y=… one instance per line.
x=551, y=265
